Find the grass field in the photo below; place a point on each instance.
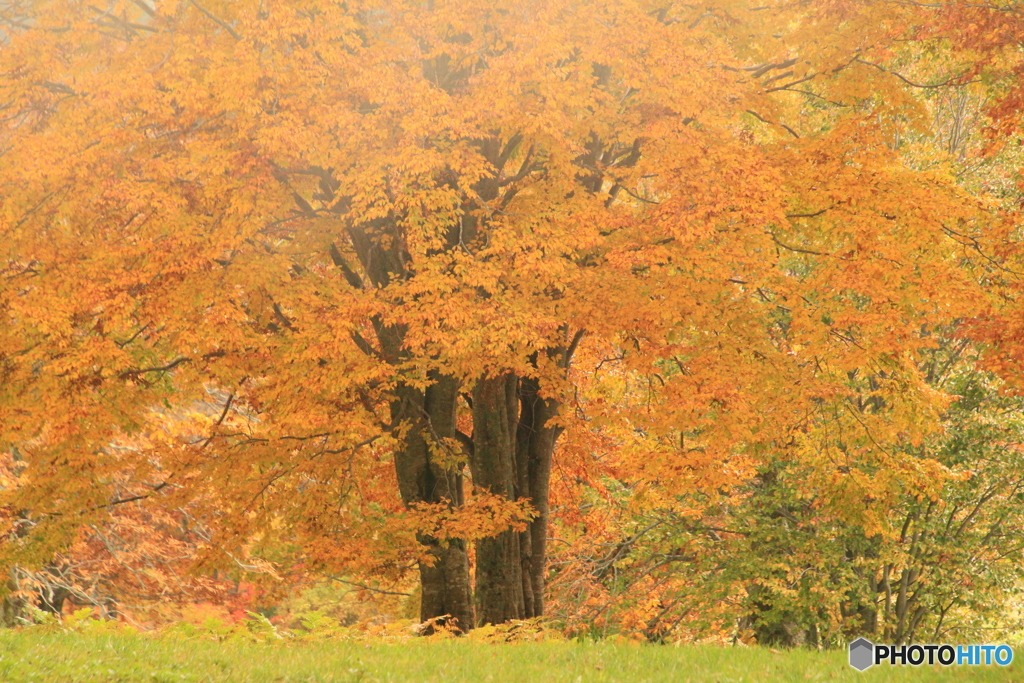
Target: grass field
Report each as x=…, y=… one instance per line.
x=31, y=655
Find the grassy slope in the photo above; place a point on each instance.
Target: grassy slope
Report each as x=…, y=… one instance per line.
x=67, y=657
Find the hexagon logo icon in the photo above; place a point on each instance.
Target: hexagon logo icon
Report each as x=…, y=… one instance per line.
x=862, y=654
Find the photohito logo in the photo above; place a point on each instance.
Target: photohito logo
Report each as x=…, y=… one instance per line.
x=865, y=654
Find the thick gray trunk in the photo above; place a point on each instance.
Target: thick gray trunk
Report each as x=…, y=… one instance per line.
x=499, y=568
x=428, y=474
x=512, y=454
x=536, y=446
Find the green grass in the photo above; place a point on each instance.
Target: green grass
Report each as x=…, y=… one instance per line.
x=32, y=655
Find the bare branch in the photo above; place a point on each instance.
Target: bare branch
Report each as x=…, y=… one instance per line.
x=145, y=7
x=567, y=357
x=772, y=123
x=810, y=215
x=796, y=249
x=217, y=20
x=952, y=81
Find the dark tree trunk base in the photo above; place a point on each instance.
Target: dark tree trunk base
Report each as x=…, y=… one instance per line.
x=447, y=594
x=512, y=453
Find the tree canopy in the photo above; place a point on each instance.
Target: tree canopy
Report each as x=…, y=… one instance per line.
x=362, y=286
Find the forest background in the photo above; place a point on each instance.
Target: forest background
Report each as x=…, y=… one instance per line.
x=681, y=321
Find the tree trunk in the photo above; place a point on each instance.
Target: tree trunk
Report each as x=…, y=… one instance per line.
x=427, y=474
x=536, y=446
x=499, y=567
x=422, y=420
x=512, y=454
x=15, y=609
x=512, y=441
x=447, y=596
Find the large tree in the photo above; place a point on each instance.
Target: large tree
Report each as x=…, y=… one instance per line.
x=381, y=231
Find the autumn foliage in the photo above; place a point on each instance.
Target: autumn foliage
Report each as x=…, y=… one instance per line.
x=680, y=320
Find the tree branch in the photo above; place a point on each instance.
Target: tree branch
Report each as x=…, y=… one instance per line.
x=217, y=20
